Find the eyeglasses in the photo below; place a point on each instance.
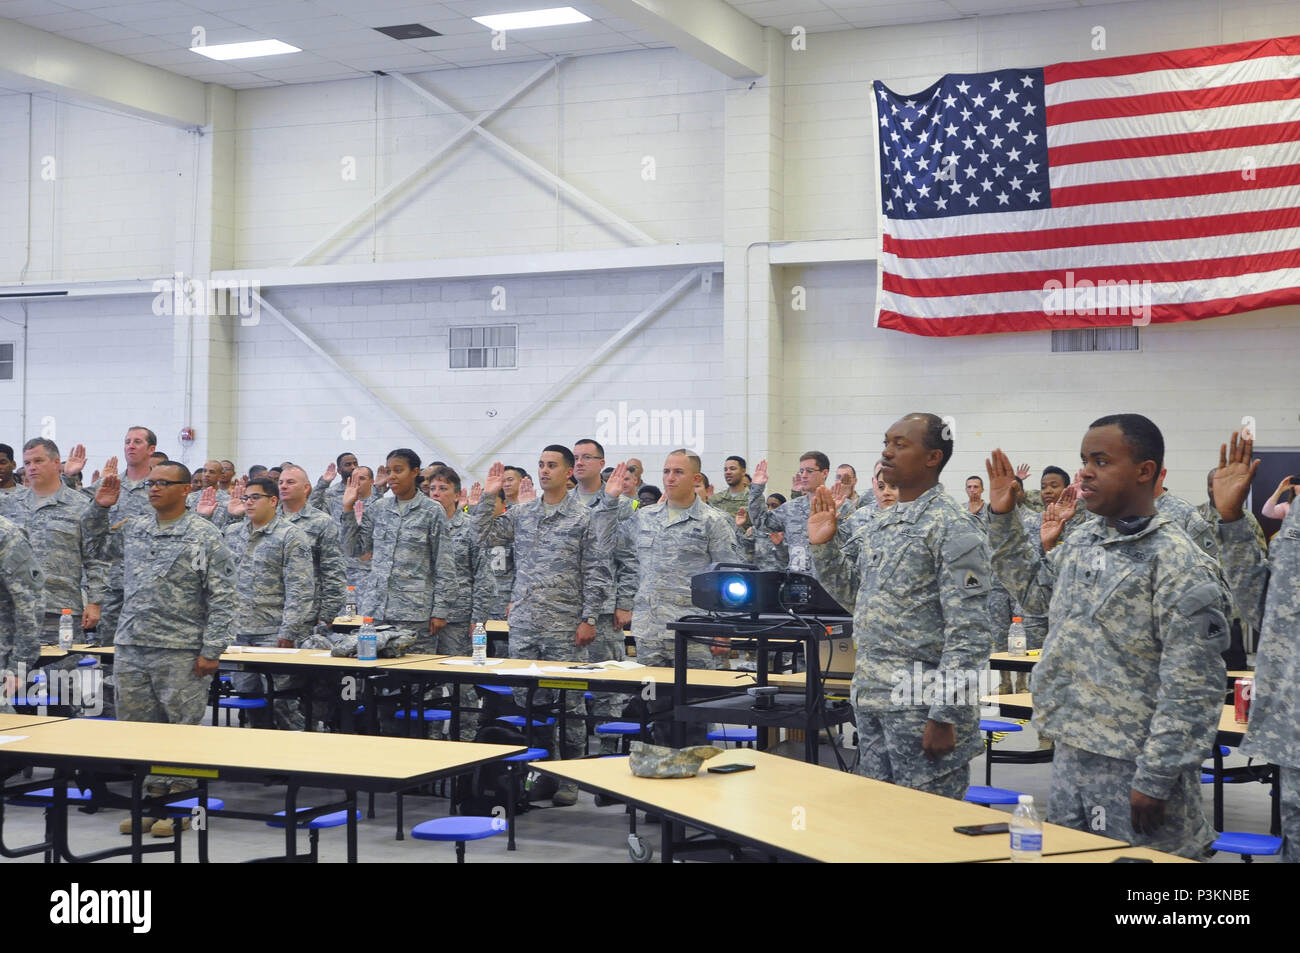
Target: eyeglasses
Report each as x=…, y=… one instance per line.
x=254, y=497
x=166, y=483
x=805, y=471
x=588, y=457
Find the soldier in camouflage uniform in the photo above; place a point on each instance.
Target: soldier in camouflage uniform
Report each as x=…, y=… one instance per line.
x=52, y=516
x=736, y=496
x=22, y=607
x=1130, y=683
x=1188, y=518
x=133, y=500
x=327, y=496
x=616, y=613
x=918, y=577
x=501, y=559
x=276, y=586
x=358, y=569
x=562, y=576
x=666, y=544
x=462, y=597
x=326, y=551
x=790, y=518
x=403, y=533
x=220, y=514
x=178, y=614
x=1266, y=587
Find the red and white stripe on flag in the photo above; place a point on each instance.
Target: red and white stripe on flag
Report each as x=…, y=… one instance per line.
x=1173, y=194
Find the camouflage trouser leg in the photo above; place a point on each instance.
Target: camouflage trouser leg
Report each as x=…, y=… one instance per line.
x=1289, y=783
x=286, y=713
x=1091, y=792
x=658, y=652
x=159, y=685
x=553, y=646
x=454, y=640
x=889, y=749
x=607, y=706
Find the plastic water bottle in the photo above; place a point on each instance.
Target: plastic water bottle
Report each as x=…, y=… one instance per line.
x=1016, y=643
x=479, y=641
x=367, y=641
x=65, y=630
x=1026, y=832
x=350, y=607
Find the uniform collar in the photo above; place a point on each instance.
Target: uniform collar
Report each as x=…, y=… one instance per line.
x=1108, y=535
x=268, y=528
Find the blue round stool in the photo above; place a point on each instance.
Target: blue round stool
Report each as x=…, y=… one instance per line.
x=315, y=826
x=1248, y=845
x=741, y=736
x=979, y=794
x=241, y=705
x=991, y=726
x=458, y=830
x=44, y=797
x=518, y=721
x=430, y=714
x=532, y=754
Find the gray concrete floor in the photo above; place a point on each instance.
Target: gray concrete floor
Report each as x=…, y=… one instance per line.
x=582, y=833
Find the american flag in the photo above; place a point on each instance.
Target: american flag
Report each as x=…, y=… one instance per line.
x=1154, y=188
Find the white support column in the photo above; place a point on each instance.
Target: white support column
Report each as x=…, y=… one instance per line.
x=753, y=217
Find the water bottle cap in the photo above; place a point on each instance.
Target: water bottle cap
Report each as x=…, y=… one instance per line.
x=352, y=588
x=1027, y=799
x=67, y=612
x=368, y=619
x=1016, y=618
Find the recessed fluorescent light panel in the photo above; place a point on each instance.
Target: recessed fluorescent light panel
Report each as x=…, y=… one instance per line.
x=244, y=51
x=527, y=19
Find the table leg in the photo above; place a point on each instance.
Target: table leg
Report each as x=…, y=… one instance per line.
x=511, y=779
x=203, y=831
x=561, y=722
x=1218, y=787
x=352, y=826
x=291, y=822
x=137, y=817
x=666, y=840
x=59, y=820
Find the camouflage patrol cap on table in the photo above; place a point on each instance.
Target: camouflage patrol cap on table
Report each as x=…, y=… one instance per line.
x=653, y=761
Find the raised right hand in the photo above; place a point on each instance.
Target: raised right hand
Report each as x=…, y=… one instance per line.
x=496, y=475
x=330, y=473
x=760, y=472
x=1002, y=483
x=1233, y=477
x=353, y=490
x=821, y=516
x=527, y=492
x=110, y=486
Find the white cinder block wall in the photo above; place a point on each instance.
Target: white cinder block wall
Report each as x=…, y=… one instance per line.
x=1196, y=381
x=593, y=121
x=123, y=205
x=394, y=339
x=111, y=196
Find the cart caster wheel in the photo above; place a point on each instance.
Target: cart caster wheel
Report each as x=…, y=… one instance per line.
x=639, y=849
